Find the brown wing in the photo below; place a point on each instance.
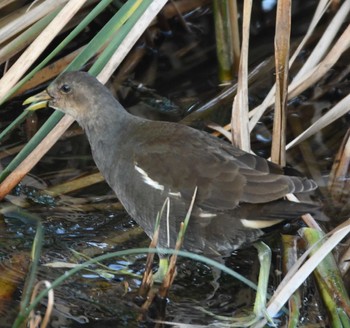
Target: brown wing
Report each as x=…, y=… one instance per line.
x=182, y=158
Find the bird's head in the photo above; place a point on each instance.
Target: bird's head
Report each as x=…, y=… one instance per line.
x=71, y=93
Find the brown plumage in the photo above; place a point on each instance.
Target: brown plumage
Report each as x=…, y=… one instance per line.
x=145, y=162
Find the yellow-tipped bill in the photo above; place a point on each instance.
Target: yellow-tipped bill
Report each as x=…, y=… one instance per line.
x=37, y=101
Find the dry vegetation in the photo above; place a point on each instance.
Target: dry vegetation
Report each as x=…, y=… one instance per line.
x=31, y=55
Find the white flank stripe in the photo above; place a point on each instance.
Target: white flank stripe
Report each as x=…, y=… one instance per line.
x=148, y=180
x=207, y=215
x=259, y=224
x=175, y=194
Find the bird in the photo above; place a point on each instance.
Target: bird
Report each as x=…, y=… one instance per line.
x=146, y=162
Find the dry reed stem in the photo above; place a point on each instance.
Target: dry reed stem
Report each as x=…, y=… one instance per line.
x=307, y=218
x=171, y=11
x=240, y=108
x=171, y=273
x=311, y=77
x=21, y=18
x=321, y=9
x=147, y=279
x=132, y=37
x=48, y=72
x=5, y=3
x=10, y=151
x=340, y=109
x=75, y=184
x=325, y=41
x=257, y=112
x=295, y=279
x=338, y=183
x=7, y=185
x=344, y=262
x=170, y=276
x=306, y=151
x=145, y=289
x=145, y=306
x=181, y=19
x=220, y=130
x=28, y=57
x=282, y=41
x=302, y=269
x=17, y=175
x=33, y=318
x=232, y=6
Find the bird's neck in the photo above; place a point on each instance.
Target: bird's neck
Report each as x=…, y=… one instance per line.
x=105, y=129
x=105, y=124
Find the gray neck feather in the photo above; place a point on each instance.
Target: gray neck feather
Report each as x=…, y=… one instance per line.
x=105, y=128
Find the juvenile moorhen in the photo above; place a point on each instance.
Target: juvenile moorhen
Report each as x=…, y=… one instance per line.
x=145, y=162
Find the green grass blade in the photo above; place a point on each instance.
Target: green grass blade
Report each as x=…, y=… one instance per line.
x=80, y=27
x=98, y=41
x=38, y=137
x=16, y=122
x=17, y=43
x=115, y=42
x=70, y=273
x=105, y=34
x=32, y=219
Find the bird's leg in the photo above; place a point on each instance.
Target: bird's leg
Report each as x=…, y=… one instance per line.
x=264, y=254
x=252, y=318
x=215, y=282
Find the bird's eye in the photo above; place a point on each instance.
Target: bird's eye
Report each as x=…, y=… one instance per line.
x=65, y=88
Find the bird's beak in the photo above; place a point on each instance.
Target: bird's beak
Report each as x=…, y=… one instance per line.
x=38, y=101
